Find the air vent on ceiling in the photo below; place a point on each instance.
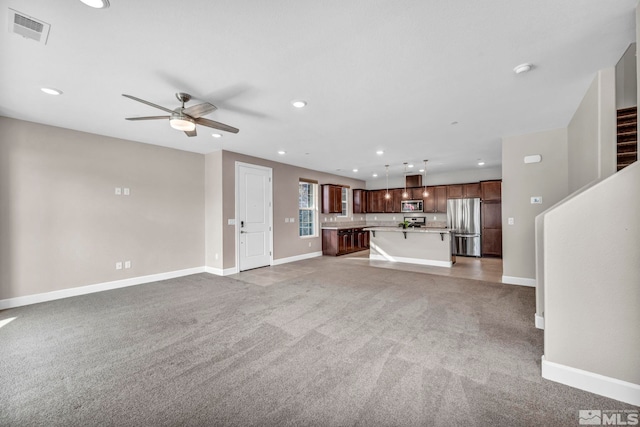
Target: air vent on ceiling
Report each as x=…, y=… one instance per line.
x=28, y=26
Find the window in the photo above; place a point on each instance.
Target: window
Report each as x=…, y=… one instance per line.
x=307, y=208
x=345, y=201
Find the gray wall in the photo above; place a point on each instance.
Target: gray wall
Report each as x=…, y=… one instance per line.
x=62, y=226
x=520, y=182
x=626, y=80
x=213, y=210
x=592, y=292
x=592, y=133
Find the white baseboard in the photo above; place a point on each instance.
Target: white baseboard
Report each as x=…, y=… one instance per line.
x=220, y=271
x=296, y=258
x=539, y=321
x=98, y=287
x=522, y=281
x=378, y=257
x=594, y=383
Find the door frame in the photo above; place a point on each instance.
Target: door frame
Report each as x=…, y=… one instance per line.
x=237, y=209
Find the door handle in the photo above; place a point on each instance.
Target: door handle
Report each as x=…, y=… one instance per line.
x=242, y=232
x=241, y=224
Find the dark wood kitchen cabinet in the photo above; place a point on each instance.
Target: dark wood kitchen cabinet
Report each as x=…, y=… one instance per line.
x=375, y=201
x=491, y=190
x=491, y=219
x=360, y=198
x=344, y=241
x=462, y=191
x=436, y=201
x=331, y=199
x=394, y=203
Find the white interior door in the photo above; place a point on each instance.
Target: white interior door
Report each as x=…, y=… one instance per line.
x=254, y=216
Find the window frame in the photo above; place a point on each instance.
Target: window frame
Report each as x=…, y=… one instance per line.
x=313, y=209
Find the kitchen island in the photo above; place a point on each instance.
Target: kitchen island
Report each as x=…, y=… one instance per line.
x=425, y=246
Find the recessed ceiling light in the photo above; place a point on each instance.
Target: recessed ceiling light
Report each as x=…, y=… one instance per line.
x=216, y=135
x=480, y=163
x=379, y=152
x=355, y=170
x=51, y=91
x=282, y=152
x=522, y=68
x=375, y=175
x=409, y=166
x=98, y=4
x=299, y=103
x=421, y=170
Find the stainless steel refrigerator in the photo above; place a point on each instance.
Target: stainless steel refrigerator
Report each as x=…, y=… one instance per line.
x=463, y=218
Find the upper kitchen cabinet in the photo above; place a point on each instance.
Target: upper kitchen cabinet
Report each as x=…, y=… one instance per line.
x=360, y=198
x=413, y=181
x=376, y=201
x=436, y=201
x=491, y=190
x=394, y=203
x=331, y=199
x=461, y=191
x=416, y=193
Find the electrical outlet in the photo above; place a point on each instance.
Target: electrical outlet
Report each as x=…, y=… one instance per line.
x=510, y=221
x=118, y=191
x=309, y=244
x=118, y=266
x=127, y=264
x=217, y=256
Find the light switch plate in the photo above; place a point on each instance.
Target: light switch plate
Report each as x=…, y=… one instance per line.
x=126, y=191
x=536, y=200
x=231, y=221
x=286, y=220
x=127, y=264
x=510, y=221
x=118, y=266
x=292, y=220
x=118, y=191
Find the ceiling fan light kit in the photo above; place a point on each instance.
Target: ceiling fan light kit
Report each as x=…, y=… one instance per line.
x=97, y=4
x=185, y=119
x=182, y=122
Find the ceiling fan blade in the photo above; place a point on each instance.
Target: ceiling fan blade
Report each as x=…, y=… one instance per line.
x=191, y=132
x=200, y=110
x=147, y=118
x=216, y=125
x=148, y=103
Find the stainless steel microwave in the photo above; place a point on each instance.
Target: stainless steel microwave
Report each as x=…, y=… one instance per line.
x=412, y=206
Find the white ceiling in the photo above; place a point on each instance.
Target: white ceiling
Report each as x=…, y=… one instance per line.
x=390, y=75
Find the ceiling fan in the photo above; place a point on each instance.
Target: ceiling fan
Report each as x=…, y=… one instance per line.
x=185, y=119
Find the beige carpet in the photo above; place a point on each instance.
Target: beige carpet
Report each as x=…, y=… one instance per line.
x=339, y=344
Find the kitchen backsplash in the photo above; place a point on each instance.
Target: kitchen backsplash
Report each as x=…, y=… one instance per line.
x=380, y=220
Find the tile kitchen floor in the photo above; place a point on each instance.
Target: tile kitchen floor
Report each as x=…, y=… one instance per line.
x=486, y=269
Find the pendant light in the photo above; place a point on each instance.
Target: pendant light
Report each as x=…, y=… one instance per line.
x=387, y=196
x=405, y=195
x=425, y=193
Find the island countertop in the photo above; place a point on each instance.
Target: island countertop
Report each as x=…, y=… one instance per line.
x=410, y=229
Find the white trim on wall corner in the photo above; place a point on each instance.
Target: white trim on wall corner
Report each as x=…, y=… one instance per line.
x=220, y=271
x=594, y=383
x=539, y=321
x=521, y=281
x=296, y=258
x=98, y=287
